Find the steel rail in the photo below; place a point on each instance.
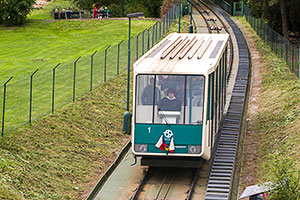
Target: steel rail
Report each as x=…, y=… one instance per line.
x=162, y=184
x=222, y=174
x=167, y=192
x=141, y=184
x=203, y=17
x=230, y=39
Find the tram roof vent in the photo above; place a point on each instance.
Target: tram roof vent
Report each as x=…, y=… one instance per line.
x=182, y=47
x=204, y=48
x=216, y=49
x=170, y=48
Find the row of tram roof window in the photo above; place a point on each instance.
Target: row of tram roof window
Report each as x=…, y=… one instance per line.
x=182, y=95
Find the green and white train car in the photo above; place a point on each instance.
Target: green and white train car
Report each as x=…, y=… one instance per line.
x=179, y=98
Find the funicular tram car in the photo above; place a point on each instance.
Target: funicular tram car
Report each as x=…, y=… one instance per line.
x=179, y=97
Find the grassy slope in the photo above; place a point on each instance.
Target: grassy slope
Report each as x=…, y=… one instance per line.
x=277, y=122
x=42, y=45
x=62, y=155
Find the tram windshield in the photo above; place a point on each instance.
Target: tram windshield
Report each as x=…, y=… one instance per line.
x=169, y=99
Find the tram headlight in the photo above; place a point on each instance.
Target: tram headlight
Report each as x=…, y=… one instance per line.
x=140, y=147
x=194, y=149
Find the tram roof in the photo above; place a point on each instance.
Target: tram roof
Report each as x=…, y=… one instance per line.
x=183, y=53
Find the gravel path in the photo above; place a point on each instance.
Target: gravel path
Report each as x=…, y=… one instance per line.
x=41, y=3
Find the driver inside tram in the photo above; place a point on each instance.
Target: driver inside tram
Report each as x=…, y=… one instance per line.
x=170, y=102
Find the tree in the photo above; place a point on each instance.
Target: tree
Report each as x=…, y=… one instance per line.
x=151, y=8
x=274, y=13
x=14, y=12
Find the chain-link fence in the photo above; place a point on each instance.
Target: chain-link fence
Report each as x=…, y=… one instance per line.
x=282, y=47
x=25, y=100
x=279, y=44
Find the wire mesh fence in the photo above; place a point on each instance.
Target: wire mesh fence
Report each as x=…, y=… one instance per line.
x=282, y=47
x=28, y=99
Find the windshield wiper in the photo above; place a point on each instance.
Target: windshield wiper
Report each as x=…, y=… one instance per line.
x=164, y=117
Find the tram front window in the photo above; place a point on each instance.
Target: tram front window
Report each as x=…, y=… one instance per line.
x=169, y=99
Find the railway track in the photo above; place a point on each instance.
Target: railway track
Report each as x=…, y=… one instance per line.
x=213, y=22
x=161, y=183
x=222, y=176
x=167, y=183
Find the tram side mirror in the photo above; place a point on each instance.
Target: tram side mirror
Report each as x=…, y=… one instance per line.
x=127, y=122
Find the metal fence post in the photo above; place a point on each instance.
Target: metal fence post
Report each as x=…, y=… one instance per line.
x=299, y=60
x=286, y=51
x=118, y=62
x=148, y=42
x=153, y=35
x=293, y=57
x=92, y=70
x=74, y=79
x=143, y=43
x=281, y=45
x=156, y=28
x=160, y=30
x=164, y=24
x=3, y=113
x=137, y=46
x=179, y=15
x=30, y=95
x=53, y=86
x=105, y=62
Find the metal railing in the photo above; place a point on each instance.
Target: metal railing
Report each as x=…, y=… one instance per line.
x=27, y=99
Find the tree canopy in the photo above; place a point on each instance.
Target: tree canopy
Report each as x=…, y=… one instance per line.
x=14, y=12
x=151, y=8
x=271, y=12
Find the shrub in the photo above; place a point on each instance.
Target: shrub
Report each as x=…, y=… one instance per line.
x=285, y=179
x=137, y=7
x=116, y=10
x=14, y=12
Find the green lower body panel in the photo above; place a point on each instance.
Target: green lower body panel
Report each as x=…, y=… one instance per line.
x=187, y=139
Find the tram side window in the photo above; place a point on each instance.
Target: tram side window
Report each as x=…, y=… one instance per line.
x=194, y=100
x=145, y=99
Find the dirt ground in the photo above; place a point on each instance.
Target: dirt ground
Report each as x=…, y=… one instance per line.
x=41, y=3
x=249, y=172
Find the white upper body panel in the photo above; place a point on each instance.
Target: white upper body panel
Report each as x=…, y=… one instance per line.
x=183, y=53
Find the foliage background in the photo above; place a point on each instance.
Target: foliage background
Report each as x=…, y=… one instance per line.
x=269, y=10
x=151, y=8
x=14, y=12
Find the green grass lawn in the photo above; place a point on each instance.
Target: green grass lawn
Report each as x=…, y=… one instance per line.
x=62, y=156
x=42, y=45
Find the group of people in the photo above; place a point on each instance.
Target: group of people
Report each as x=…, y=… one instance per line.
x=169, y=102
x=63, y=15
x=99, y=13
x=173, y=87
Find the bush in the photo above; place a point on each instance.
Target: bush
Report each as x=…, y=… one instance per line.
x=285, y=179
x=85, y=4
x=137, y=7
x=14, y=12
x=116, y=10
